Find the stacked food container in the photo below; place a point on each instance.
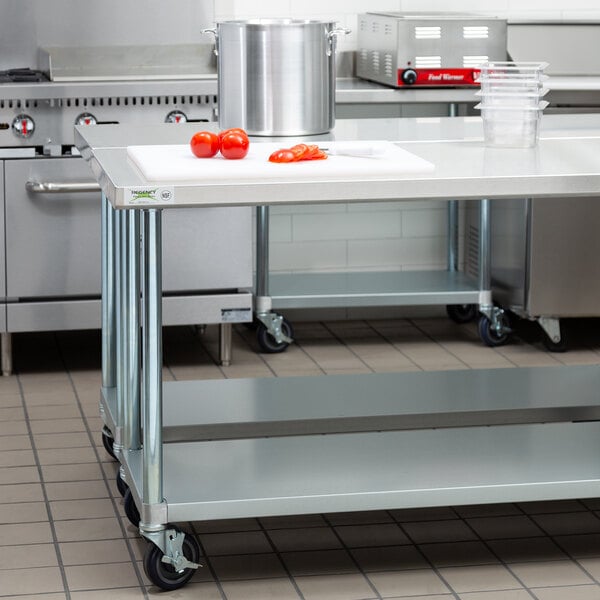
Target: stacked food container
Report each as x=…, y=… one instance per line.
x=511, y=102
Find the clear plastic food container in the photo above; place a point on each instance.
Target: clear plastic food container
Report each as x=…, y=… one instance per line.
x=511, y=126
x=513, y=69
x=519, y=86
x=510, y=79
x=512, y=133
x=504, y=97
x=511, y=111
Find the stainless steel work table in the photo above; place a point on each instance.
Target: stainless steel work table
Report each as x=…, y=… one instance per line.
x=401, y=440
x=457, y=290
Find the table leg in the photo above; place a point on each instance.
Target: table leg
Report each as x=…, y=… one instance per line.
x=131, y=424
x=485, y=243
x=169, y=545
x=452, y=235
x=273, y=324
x=153, y=512
x=120, y=351
x=108, y=314
x=452, y=208
x=263, y=301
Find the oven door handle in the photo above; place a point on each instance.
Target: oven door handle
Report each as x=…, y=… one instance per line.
x=61, y=187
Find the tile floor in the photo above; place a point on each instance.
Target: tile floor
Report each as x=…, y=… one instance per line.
x=63, y=533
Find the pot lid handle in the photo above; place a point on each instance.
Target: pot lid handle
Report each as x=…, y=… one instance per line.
x=332, y=37
x=213, y=32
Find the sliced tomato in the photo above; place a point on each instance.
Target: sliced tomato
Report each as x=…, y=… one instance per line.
x=318, y=155
x=284, y=155
x=313, y=150
x=300, y=151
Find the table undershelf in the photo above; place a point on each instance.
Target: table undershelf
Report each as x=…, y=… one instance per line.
x=374, y=471
x=250, y=408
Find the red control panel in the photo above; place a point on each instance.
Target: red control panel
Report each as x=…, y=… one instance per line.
x=438, y=77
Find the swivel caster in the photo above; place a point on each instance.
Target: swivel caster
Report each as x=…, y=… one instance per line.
x=494, y=333
x=554, y=335
x=167, y=575
x=268, y=343
x=552, y=346
x=108, y=441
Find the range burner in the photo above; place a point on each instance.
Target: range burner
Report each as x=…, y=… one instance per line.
x=22, y=75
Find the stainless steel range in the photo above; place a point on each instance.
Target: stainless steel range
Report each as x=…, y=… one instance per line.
x=50, y=257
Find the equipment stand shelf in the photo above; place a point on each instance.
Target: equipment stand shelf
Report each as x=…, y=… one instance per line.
x=446, y=438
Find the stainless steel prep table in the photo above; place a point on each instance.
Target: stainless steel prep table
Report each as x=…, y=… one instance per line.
x=440, y=462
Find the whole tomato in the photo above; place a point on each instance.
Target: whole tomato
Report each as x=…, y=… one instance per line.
x=234, y=145
x=204, y=144
x=231, y=130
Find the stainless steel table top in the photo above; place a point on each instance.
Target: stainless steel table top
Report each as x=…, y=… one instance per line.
x=565, y=162
x=348, y=90
x=359, y=91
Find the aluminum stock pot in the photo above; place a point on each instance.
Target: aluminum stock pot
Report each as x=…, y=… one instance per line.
x=276, y=77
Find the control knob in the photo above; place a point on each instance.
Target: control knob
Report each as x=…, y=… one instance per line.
x=23, y=126
x=86, y=119
x=176, y=116
x=409, y=76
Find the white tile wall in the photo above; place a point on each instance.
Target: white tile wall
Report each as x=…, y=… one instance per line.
x=346, y=10
x=348, y=225
x=375, y=236
x=424, y=222
x=323, y=255
x=387, y=254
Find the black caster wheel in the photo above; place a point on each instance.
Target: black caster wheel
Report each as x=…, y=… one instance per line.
x=163, y=574
x=121, y=485
x=488, y=334
x=131, y=510
x=461, y=313
x=267, y=342
x=108, y=441
x=551, y=346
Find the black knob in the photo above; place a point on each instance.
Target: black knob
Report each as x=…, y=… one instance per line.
x=409, y=76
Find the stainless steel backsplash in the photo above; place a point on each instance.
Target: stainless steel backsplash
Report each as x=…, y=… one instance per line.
x=28, y=25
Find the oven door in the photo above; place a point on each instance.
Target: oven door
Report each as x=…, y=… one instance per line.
x=53, y=253
x=53, y=240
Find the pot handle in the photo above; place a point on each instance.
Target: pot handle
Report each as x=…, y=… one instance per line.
x=213, y=32
x=332, y=37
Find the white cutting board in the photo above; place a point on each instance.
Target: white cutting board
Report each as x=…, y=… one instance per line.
x=176, y=163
